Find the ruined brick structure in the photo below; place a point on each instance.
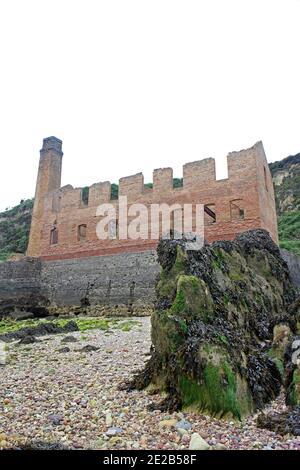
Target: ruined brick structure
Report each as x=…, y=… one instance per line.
x=68, y=266
x=64, y=219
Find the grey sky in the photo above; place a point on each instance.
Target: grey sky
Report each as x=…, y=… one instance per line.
x=133, y=85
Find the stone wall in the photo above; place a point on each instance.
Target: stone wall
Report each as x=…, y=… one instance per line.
x=20, y=284
x=293, y=262
x=119, y=280
x=123, y=281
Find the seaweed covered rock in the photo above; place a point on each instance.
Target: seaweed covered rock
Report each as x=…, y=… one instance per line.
x=47, y=328
x=221, y=325
x=287, y=422
x=292, y=372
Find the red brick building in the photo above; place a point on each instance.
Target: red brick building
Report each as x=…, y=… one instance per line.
x=64, y=218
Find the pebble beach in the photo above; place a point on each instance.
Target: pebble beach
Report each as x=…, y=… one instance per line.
x=58, y=393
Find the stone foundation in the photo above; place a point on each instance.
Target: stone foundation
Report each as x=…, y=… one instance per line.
x=121, y=284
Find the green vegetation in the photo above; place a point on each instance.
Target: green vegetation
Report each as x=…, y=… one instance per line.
x=84, y=324
x=85, y=195
x=14, y=229
x=217, y=393
x=192, y=299
x=168, y=279
x=289, y=231
x=177, y=182
x=126, y=325
x=294, y=395
x=114, y=194
x=223, y=339
x=166, y=333
x=286, y=176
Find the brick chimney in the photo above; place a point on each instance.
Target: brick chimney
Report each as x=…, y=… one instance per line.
x=48, y=179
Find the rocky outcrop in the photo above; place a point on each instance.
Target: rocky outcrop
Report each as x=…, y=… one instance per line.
x=287, y=422
x=286, y=178
x=293, y=262
x=292, y=361
x=221, y=325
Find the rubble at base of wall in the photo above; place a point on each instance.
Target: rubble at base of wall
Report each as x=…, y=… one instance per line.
x=101, y=311
x=74, y=311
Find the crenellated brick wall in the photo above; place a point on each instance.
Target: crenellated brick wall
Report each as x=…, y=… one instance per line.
x=243, y=201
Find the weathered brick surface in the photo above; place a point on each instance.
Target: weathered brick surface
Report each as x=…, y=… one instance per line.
x=48, y=180
x=249, y=185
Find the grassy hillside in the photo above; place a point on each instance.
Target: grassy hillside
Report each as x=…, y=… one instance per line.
x=14, y=229
x=286, y=178
x=289, y=231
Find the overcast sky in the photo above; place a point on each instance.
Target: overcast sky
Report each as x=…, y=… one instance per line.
x=133, y=85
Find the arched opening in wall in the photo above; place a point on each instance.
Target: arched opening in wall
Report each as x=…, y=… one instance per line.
x=54, y=236
x=210, y=214
x=237, y=210
x=266, y=178
x=81, y=232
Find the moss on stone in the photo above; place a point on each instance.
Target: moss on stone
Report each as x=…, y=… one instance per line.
x=280, y=366
x=259, y=263
x=166, y=287
x=84, y=324
x=126, y=325
x=216, y=394
x=281, y=337
x=223, y=339
x=193, y=299
x=294, y=395
x=218, y=260
x=232, y=263
x=221, y=391
x=226, y=298
x=277, y=357
x=166, y=334
x=216, y=308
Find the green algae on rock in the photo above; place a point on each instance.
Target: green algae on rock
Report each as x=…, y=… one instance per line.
x=217, y=310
